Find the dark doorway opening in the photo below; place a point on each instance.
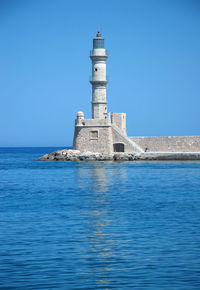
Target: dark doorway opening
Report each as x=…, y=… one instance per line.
x=118, y=147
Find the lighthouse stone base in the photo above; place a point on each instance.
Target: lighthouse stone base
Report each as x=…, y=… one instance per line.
x=103, y=135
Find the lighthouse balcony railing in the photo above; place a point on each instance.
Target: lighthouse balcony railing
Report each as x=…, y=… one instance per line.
x=98, y=80
x=92, y=53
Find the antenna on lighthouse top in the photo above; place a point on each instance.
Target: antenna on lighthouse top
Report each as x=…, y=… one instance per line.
x=98, y=33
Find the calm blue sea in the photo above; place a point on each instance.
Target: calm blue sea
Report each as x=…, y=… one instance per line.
x=98, y=225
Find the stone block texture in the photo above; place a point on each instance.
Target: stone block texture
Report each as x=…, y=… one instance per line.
x=101, y=136
x=119, y=138
x=93, y=139
x=168, y=143
x=119, y=119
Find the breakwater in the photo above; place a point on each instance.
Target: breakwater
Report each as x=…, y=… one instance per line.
x=76, y=155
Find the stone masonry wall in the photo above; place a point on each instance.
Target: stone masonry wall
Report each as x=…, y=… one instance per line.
x=169, y=143
x=93, y=139
x=119, y=119
x=117, y=138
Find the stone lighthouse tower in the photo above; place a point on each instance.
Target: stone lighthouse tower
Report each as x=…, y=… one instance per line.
x=101, y=133
x=99, y=56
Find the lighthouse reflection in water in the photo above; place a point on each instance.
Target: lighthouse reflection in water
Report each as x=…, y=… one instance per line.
x=100, y=255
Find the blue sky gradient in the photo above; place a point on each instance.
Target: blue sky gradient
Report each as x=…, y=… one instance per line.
x=153, y=67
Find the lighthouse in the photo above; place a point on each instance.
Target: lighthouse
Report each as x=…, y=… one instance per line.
x=101, y=133
x=98, y=80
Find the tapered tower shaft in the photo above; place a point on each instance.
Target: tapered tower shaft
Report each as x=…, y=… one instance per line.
x=99, y=56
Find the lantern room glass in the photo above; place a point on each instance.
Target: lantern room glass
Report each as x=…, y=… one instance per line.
x=98, y=43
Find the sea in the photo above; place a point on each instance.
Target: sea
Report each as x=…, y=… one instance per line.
x=98, y=225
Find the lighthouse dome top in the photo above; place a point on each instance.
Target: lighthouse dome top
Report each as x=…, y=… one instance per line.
x=98, y=34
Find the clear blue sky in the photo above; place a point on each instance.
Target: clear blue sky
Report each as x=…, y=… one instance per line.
x=153, y=66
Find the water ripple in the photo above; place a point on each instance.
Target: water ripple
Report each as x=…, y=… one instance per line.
x=103, y=225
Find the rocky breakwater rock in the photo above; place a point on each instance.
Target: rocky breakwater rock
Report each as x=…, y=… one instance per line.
x=61, y=155
x=76, y=155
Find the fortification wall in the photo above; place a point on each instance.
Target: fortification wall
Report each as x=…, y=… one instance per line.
x=119, y=119
x=169, y=143
x=119, y=138
x=93, y=139
x=94, y=122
